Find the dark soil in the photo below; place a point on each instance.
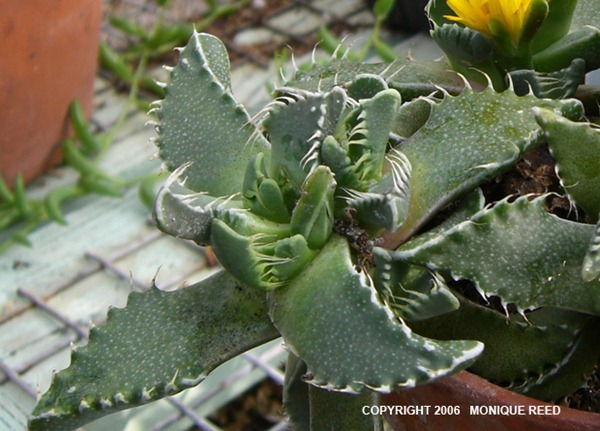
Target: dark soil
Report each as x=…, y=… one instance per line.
x=534, y=175
x=588, y=397
x=257, y=410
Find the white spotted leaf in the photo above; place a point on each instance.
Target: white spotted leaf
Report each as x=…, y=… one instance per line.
x=331, y=317
x=160, y=344
x=478, y=136
x=518, y=252
x=200, y=122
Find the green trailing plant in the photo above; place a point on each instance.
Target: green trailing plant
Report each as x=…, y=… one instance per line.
x=21, y=214
x=355, y=217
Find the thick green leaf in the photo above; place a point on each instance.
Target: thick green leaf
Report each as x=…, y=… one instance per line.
x=554, y=85
x=413, y=292
x=470, y=53
x=590, y=269
x=201, y=122
x=317, y=409
x=182, y=213
x=411, y=79
x=385, y=205
x=583, y=43
x=478, y=136
x=331, y=317
x=368, y=141
x=587, y=13
x=556, y=25
x=295, y=393
x=516, y=350
x=570, y=374
x=331, y=410
x=160, y=344
x=313, y=216
x=296, y=126
x=261, y=194
x=518, y=252
x=576, y=148
x=411, y=116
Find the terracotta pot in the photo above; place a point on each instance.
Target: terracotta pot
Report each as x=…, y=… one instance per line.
x=48, y=57
x=464, y=390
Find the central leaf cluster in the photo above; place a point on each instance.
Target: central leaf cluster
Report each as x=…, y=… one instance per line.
x=328, y=152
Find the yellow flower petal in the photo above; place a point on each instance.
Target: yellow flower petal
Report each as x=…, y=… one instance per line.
x=477, y=14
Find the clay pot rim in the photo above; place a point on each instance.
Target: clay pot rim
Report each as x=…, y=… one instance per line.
x=466, y=389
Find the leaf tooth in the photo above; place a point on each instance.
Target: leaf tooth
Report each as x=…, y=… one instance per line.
x=83, y=405
x=105, y=403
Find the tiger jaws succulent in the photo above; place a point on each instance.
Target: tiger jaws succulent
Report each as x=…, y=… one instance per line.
x=352, y=217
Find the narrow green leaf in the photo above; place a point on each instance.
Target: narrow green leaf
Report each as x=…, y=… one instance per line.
x=331, y=317
x=160, y=344
x=382, y=8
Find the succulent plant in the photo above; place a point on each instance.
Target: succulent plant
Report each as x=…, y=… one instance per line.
x=353, y=217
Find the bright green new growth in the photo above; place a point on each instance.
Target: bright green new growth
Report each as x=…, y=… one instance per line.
x=344, y=215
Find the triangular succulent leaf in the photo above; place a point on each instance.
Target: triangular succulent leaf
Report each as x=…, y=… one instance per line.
x=186, y=214
x=124, y=363
x=413, y=292
x=553, y=85
x=519, y=353
x=590, y=269
x=313, y=216
x=297, y=126
x=479, y=136
x=583, y=43
x=504, y=249
x=201, y=122
x=339, y=349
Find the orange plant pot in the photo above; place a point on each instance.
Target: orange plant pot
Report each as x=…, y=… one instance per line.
x=48, y=57
x=446, y=405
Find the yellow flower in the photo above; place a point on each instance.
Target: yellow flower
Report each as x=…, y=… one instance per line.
x=476, y=14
